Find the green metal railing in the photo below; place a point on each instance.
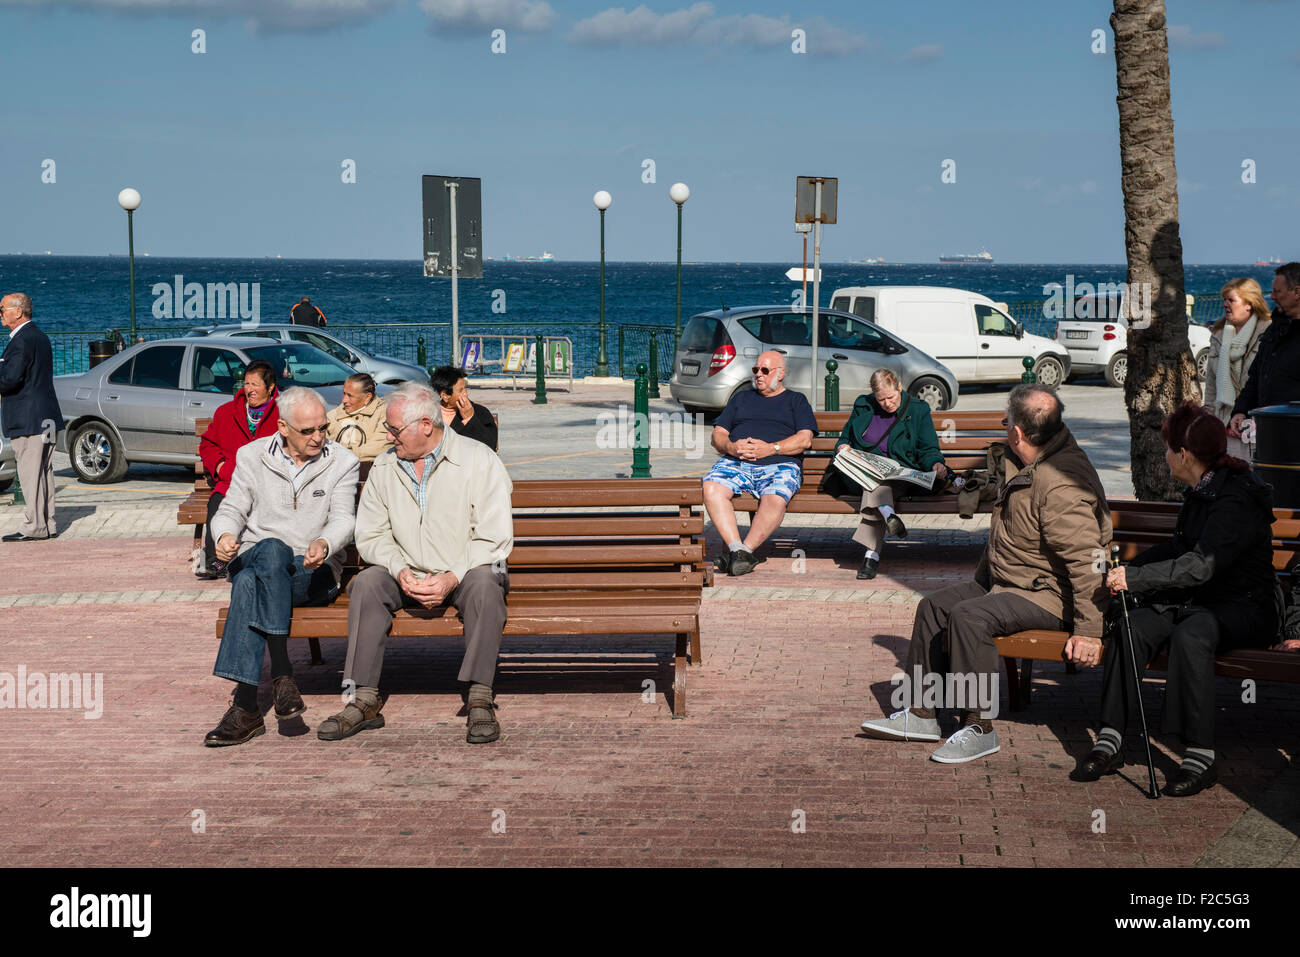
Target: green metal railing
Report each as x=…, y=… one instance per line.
x=634, y=347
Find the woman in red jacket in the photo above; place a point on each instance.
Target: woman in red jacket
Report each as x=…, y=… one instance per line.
x=252, y=414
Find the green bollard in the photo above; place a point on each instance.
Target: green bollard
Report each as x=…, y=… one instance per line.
x=654, y=365
x=641, y=417
x=1027, y=377
x=832, y=386
x=421, y=353
x=540, y=397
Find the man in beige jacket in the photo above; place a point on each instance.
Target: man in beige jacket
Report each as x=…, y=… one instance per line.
x=1044, y=568
x=358, y=423
x=435, y=527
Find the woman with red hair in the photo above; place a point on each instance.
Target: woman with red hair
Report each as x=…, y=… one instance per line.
x=1212, y=586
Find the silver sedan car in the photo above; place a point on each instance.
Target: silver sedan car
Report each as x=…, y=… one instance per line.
x=8, y=464
x=718, y=349
x=141, y=404
x=385, y=370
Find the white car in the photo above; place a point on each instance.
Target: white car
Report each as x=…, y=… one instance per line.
x=967, y=332
x=1099, y=344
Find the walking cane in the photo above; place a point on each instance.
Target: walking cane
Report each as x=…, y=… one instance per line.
x=1137, y=678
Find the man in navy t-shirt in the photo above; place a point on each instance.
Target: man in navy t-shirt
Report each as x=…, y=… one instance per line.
x=762, y=435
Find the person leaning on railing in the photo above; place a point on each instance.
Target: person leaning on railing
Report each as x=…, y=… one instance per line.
x=887, y=422
x=1210, y=587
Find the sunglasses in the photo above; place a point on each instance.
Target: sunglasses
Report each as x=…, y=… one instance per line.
x=763, y=370
x=322, y=429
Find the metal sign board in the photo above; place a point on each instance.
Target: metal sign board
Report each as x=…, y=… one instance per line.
x=805, y=198
x=437, y=225
x=798, y=274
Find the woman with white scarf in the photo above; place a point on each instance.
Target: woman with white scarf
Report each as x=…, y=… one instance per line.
x=1233, y=345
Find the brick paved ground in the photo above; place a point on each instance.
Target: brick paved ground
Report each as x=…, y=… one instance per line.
x=586, y=772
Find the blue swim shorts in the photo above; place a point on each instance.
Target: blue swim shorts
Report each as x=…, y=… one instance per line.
x=780, y=478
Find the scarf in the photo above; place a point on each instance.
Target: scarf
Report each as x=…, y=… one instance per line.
x=1232, y=348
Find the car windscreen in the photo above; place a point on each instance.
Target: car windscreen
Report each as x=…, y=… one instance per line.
x=296, y=363
x=702, y=334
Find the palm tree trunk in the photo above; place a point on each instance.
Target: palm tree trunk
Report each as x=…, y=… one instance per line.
x=1161, y=372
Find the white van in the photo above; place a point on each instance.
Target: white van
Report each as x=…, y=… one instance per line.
x=967, y=332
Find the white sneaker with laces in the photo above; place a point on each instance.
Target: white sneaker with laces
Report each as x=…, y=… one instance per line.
x=967, y=744
x=903, y=726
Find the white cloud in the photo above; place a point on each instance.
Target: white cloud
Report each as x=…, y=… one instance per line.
x=1181, y=37
x=700, y=25
x=473, y=16
x=260, y=14
x=926, y=53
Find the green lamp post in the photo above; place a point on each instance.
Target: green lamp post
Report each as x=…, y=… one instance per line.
x=129, y=199
x=679, y=193
x=602, y=199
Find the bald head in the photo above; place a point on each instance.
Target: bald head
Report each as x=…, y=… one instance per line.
x=1036, y=411
x=769, y=382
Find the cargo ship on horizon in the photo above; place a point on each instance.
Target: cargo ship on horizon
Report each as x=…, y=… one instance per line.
x=982, y=258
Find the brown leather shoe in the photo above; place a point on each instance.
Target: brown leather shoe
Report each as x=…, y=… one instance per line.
x=288, y=703
x=236, y=727
x=482, y=721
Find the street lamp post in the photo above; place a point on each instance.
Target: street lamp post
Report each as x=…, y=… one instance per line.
x=602, y=199
x=129, y=199
x=679, y=193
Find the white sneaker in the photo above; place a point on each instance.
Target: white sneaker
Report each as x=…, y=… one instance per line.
x=966, y=745
x=903, y=726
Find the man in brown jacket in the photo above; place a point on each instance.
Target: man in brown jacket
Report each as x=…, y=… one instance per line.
x=1044, y=568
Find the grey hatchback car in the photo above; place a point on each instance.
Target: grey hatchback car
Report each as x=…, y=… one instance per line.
x=385, y=370
x=141, y=404
x=717, y=350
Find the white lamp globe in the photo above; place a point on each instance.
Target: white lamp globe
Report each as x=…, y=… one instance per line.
x=602, y=200
x=679, y=193
x=129, y=199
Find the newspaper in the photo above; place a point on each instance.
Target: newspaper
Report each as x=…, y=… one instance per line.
x=869, y=470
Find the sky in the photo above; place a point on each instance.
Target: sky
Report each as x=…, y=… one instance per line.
x=242, y=149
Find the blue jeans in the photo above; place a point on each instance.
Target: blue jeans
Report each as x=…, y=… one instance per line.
x=269, y=580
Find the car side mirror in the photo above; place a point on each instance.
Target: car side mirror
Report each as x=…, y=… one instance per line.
x=353, y=360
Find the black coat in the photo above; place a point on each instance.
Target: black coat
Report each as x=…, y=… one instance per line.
x=1222, y=548
x=481, y=426
x=27, y=399
x=1274, y=376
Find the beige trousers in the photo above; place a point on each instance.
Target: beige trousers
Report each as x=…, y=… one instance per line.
x=871, y=531
x=36, y=474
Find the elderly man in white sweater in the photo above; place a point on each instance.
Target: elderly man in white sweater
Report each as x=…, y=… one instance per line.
x=283, y=527
x=434, y=524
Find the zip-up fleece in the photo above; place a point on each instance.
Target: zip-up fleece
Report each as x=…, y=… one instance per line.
x=468, y=521
x=262, y=501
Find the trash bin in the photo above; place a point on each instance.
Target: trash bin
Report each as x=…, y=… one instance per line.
x=1277, y=451
x=101, y=349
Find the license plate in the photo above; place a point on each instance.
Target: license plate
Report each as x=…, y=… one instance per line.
x=1076, y=334
x=690, y=368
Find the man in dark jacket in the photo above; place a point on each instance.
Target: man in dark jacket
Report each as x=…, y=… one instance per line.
x=1275, y=374
x=305, y=314
x=30, y=415
x=466, y=418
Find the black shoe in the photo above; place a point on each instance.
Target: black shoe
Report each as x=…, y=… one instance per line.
x=20, y=537
x=894, y=525
x=742, y=562
x=868, y=569
x=236, y=727
x=288, y=702
x=723, y=562
x=1186, y=782
x=1097, y=764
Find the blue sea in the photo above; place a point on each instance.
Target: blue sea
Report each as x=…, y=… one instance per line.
x=90, y=294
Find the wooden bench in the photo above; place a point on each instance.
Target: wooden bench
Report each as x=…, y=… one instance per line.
x=636, y=567
x=1138, y=526
x=964, y=438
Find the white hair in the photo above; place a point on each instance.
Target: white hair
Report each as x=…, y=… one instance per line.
x=289, y=400
x=417, y=401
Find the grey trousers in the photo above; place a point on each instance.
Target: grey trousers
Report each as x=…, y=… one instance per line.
x=971, y=617
x=374, y=595
x=36, y=474
x=871, y=531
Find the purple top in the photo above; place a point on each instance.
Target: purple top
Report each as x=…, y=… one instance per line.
x=875, y=432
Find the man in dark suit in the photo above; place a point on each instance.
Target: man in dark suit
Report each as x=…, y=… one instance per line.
x=29, y=413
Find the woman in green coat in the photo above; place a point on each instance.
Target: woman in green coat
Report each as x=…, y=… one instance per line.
x=889, y=422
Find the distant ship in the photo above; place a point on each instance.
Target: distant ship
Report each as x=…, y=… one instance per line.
x=983, y=258
x=1269, y=262
x=869, y=261
x=545, y=257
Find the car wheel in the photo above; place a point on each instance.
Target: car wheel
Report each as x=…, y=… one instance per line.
x=1049, y=372
x=931, y=391
x=1202, y=364
x=1117, y=369
x=96, y=454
